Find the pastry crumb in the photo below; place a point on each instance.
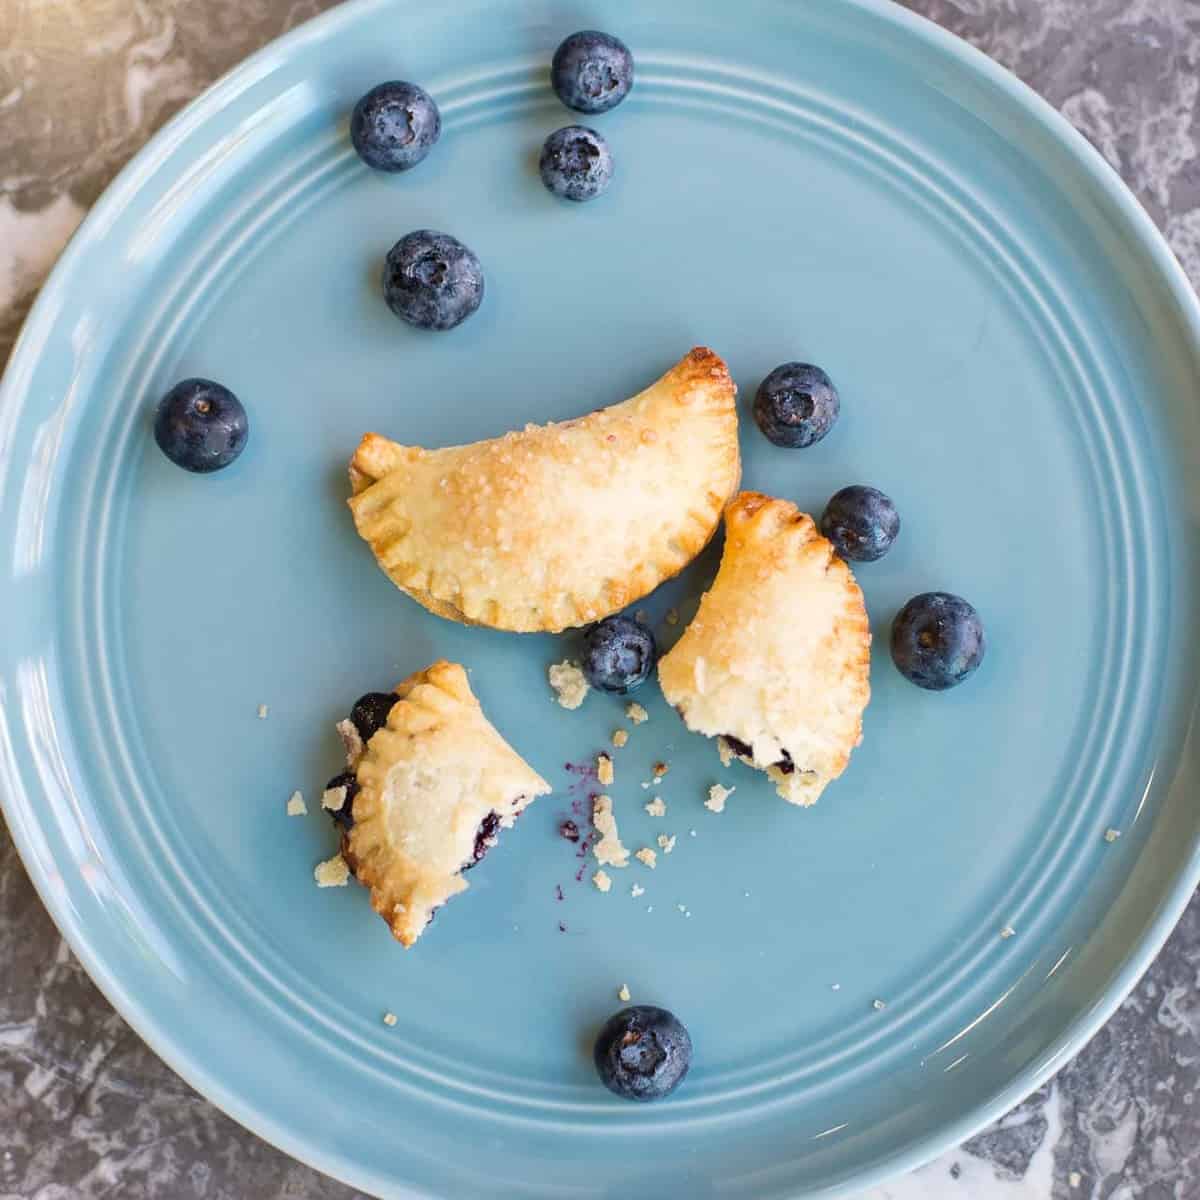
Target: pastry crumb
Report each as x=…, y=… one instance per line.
x=608, y=850
x=604, y=769
x=602, y=880
x=262, y=712
x=351, y=741
x=296, y=806
x=672, y=616
x=637, y=890
x=724, y=752
x=879, y=1005
x=333, y=872
x=647, y=857
x=1111, y=835
x=569, y=684
x=623, y=993
x=666, y=844
x=717, y=795
x=389, y=1019
x=1074, y=1179
x=649, y=907
x=683, y=908
x=660, y=769
x=691, y=833
x=620, y=737
x=657, y=807
x=1007, y=932
x=636, y=713
x=642, y=617
x=837, y=987
x=333, y=798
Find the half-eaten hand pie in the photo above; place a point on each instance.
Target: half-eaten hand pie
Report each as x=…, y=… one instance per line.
x=776, y=661
x=556, y=525
x=432, y=788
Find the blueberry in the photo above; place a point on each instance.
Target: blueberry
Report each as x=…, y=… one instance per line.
x=432, y=280
x=861, y=522
x=200, y=425
x=796, y=405
x=576, y=163
x=344, y=817
x=394, y=126
x=618, y=654
x=370, y=713
x=643, y=1053
x=592, y=72
x=937, y=640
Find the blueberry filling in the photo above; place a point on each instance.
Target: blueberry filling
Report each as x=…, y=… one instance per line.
x=370, y=713
x=785, y=766
x=348, y=854
x=343, y=818
x=485, y=839
x=569, y=830
x=488, y=834
x=740, y=748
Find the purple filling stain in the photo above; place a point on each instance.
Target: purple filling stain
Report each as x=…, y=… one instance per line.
x=585, y=771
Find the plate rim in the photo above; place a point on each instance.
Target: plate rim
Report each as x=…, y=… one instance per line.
x=1151, y=246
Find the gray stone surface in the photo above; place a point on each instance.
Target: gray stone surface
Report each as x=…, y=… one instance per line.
x=86, y=1110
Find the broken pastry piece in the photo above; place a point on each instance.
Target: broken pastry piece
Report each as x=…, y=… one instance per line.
x=776, y=661
x=556, y=525
x=434, y=785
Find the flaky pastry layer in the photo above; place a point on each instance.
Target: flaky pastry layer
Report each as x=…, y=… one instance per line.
x=433, y=782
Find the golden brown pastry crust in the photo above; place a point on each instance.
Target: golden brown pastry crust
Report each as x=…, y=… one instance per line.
x=426, y=782
x=556, y=525
x=778, y=655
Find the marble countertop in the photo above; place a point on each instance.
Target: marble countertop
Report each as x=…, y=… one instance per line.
x=86, y=1110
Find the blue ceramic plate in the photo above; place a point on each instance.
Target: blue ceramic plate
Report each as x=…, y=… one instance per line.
x=1017, y=356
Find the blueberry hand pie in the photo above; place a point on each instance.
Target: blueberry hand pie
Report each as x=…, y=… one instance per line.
x=775, y=663
x=556, y=525
x=431, y=785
